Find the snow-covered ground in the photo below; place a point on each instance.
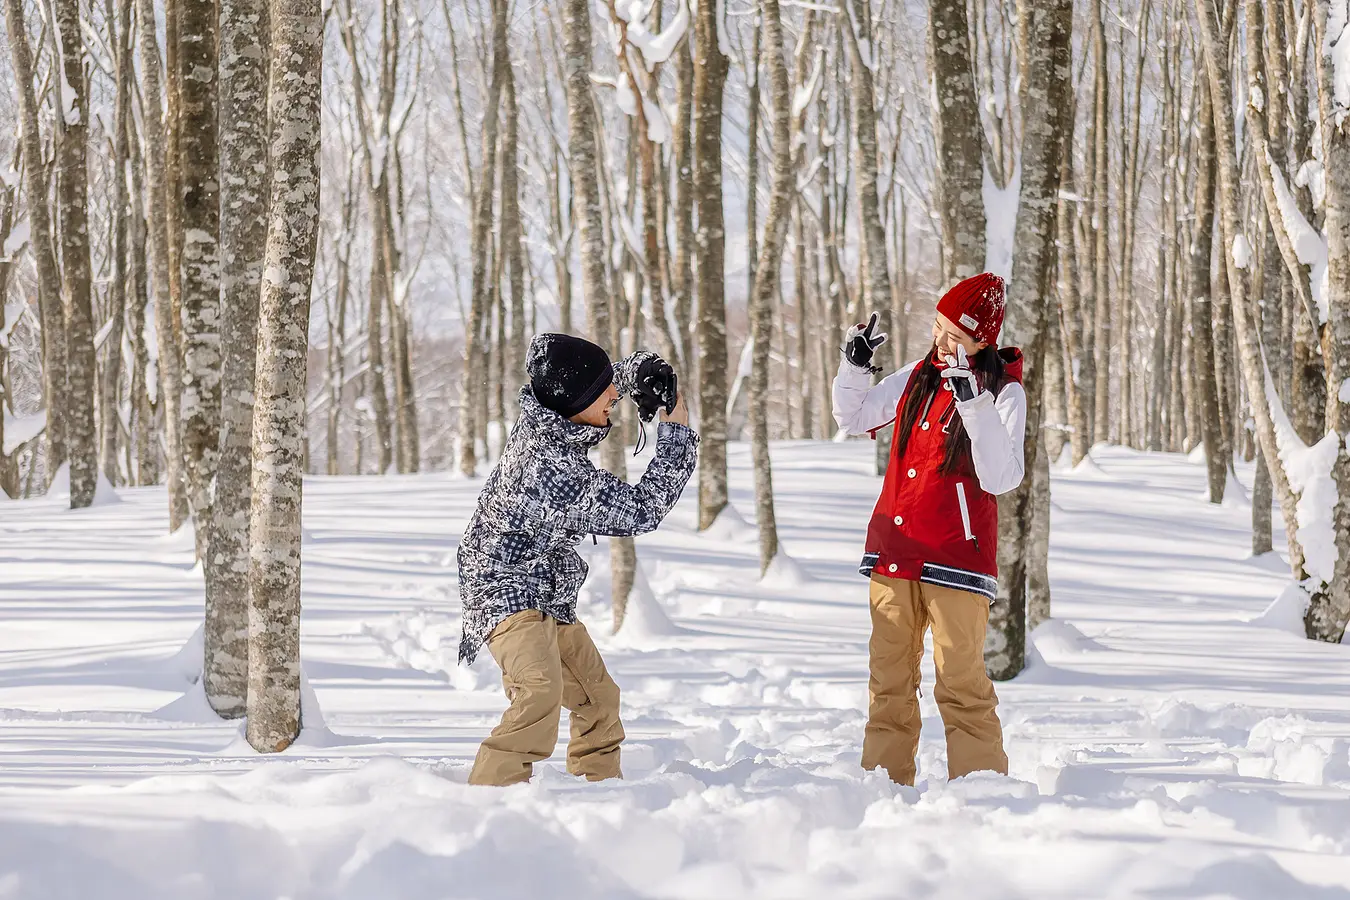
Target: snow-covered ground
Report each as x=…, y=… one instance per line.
x=1161, y=745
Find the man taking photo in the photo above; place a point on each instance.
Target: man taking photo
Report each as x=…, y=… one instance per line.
x=519, y=571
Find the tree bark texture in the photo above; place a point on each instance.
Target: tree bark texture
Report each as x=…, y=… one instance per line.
x=710, y=72
x=959, y=135
x=1045, y=100
x=1203, y=356
x=170, y=373
x=111, y=375
x=1101, y=338
x=72, y=200
x=767, y=279
x=244, y=173
x=1328, y=615
x=475, y=356
x=40, y=234
x=294, y=101
x=514, y=363
x=198, y=165
x=1248, y=338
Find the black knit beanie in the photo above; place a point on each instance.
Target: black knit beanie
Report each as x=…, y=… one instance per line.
x=567, y=373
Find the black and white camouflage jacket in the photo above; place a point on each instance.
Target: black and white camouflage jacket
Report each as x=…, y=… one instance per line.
x=544, y=496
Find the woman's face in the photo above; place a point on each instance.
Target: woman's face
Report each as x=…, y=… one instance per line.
x=947, y=337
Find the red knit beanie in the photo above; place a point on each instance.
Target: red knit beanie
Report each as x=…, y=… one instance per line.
x=976, y=306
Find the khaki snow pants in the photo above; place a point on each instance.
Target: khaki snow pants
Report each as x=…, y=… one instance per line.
x=546, y=666
x=901, y=612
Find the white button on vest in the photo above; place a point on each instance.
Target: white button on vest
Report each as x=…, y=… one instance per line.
x=912, y=473
x=892, y=567
x=924, y=426
x=899, y=520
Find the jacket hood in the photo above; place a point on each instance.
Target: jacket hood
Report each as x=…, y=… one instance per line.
x=1012, y=363
x=537, y=417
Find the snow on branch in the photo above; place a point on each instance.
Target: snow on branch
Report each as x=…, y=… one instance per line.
x=656, y=48
x=1309, y=473
x=805, y=93
x=1309, y=246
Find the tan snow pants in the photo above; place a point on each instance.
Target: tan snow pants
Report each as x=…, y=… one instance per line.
x=901, y=612
x=546, y=666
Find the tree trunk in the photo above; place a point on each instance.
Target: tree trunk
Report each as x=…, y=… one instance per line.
x=294, y=91
x=1262, y=536
x=1038, y=569
x=710, y=72
x=1045, y=94
x=959, y=139
x=584, y=160
x=752, y=66
x=767, y=278
x=875, y=291
x=1101, y=338
x=1248, y=338
x=684, y=212
x=146, y=449
x=475, y=382
x=72, y=202
x=109, y=424
x=40, y=233
x=169, y=366
x=199, y=167
x=1203, y=356
x=1327, y=616
x=514, y=362
x=244, y=175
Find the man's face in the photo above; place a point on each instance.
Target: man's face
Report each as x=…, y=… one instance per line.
x=597, y=413
x=947, y=337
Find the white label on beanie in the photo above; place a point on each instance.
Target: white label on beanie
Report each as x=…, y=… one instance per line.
x=968, y=321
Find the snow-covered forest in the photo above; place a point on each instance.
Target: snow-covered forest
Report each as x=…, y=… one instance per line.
x=259, y=252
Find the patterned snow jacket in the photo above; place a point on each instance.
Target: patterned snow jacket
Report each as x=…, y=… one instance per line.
x=542, y=499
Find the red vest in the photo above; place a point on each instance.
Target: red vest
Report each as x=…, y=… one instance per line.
x=929, y=526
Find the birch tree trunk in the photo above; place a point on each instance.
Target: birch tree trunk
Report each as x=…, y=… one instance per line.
x=1101, y=336
x=109, y=425
x=583, y=152
x=959, y=137
x=710, y=72
x=198, y=165
x=143, y=438
x=875, y=289
x=40, y=233
x=514, y=363
x=72, y=199
x=474, y=384
x=684, y=213
x=1203, y=356
x=767, y=279
x=1328, y=615
x=294, y=103
x=1045, y=94
x=243, y=239
x=169, y=366
x=1248, y=338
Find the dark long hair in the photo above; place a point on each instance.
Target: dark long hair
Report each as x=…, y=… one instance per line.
x=989, y=372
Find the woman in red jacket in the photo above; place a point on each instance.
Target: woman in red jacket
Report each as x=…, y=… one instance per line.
x=932, y=543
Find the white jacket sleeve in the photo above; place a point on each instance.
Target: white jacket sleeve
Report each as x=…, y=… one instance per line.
x=997, y=430
x=860, y=406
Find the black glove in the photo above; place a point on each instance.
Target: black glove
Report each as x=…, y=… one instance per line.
x=861, y=342
x=959, y=376
x=655, y=387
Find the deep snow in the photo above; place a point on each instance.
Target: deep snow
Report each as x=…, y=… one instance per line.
x=1161, y=744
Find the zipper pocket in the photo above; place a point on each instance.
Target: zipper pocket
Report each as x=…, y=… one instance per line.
x=965, y=513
